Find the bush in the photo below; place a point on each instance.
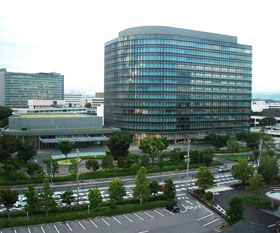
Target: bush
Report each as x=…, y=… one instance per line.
x=256, y=202
x=209, y=196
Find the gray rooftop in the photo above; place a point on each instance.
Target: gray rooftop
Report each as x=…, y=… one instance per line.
x=177, y=31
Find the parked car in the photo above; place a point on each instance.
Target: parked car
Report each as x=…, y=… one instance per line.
x=20, y=203
x=223, y=169
x=172, y=207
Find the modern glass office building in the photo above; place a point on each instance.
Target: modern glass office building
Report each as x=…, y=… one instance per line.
x=17, y=88
x=177, y=83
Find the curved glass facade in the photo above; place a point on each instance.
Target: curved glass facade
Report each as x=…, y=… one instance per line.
x=177, y=82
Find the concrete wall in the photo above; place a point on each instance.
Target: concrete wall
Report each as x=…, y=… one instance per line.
x=55, y=123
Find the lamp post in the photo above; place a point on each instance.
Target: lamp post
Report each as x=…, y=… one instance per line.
x=78, y=157
x=260, y=148
x=187, y=159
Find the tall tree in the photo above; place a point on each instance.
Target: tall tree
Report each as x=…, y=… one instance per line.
x=235, y=211
x=142, y=187
x=268, y=121
x=232, y=144
x=34, y=169
x=169, y=190
x=32, y=199
x=207, y=156
x=154, y=187
x=52, y=167
x=243, y=171
x=268, y=168
x=92, y=164
x=205, y=179
x=116, y=190
x=8, y=197
x=95, y=198
x=73, y=168
x=174, y=155
x=46, y=197
x=252, y=140
x=8, y=146
x=5, y=112
x=119, y=143
x=152, y=146
x=67, y=197
x=255, y=183
x=217, y=141
x=107, y=162
x=65, y=147
x=26, y=150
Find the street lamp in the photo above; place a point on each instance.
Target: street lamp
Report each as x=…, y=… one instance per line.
x=260, y=148
x=187, y=159
x=78, y=157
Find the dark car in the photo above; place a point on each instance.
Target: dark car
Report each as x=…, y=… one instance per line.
x=172, y=207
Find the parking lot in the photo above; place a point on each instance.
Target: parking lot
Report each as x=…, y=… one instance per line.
x=193, y=217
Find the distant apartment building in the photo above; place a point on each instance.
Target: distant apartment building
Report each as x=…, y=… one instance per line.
x=74, y=98
x=177, y=83
x=17, y=88
x=99, y=95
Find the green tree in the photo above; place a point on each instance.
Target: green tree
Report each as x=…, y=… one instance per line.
x=154, y=187
x=205, y=179
x=32, y=199
x=174, y=155
x=196, y=156
x=134, y=167
x=252, y=140
x=34, y=169
x=73, y=168
x=52, y=167
x=267, y=142
x=5, y=113
x=217, y=141
x=8, y=146
x=160, y=163
x=92, y=164
x=124, y=162
x=235, y=211
x=119, y=143
x=242, y=171
x=88, y=105
x=232, y=144
x=65, y=147
x=46, y=197
x=255, y=183
x=116, y=190
x=145, y=160
x=95, y=198
x=133, y=157
x=142, y=187
x=169, y=189
x=26, y=150
x=68, y=197
x=268, y=121
x=107, y=162
x=207, y=156
x=268, y=168
x=152, y=146
x=8, y=198
x=165, y=142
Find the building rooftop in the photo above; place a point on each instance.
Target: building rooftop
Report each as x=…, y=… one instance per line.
x=50, y=116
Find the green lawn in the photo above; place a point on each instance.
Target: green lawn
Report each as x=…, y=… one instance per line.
x=236, y=158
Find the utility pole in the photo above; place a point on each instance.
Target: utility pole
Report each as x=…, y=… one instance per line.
x=260, y=148
x=188, y=165
x=78, y=158
x=51, y=170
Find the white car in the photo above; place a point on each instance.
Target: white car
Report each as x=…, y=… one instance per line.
x=20, y=203
x=56, y=195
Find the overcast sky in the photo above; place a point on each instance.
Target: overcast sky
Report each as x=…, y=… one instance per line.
x=68, y=36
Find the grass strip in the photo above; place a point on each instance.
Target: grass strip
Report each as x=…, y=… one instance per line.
x=256, y=202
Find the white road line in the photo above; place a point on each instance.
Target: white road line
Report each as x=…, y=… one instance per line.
x=117, y=220
x=143, y=231
x=149, y=215
x=204, y=207
x=43, y=229
x=93, y=223
x=138, y=216
x=189, y=202
x=81, y=225
x=168, y=211
x=105, y=222
x=56, y=229
x=69, y=227
x=204, y=217
x=27, y=229
x=272, y=225
x=15, y=230
x=127, y=218
x=215, y=220
x=159, y=213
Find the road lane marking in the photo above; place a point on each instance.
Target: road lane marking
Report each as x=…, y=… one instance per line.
x=93, y=223
x=204, y=207
x=204, y=217
x=15, y=230
x=56, y=229
x=272, y=225
x=159, y=213
x=186, y=209
x=81, y=225
x=43, y=229
x=105, y=222
x=149, y=214
x=117, y=220
x=127, y=218
x=143, y=231
x=189, y=202
x=215, y=220
x=168, y=211
x=138, y=216
x=69, y=227
x=28, y=230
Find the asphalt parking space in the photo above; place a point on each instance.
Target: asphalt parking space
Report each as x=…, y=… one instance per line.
x=61, y=227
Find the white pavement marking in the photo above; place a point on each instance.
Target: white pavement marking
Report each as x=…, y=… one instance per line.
x=138, y=216
x=215, y=220
x=117, y=220
x=127, y=218
x=186, y=209
x=159, y=213
x=43, y=229
x=69, y=227
x=15, y=231
x=143, y=231
x=81, y=225
x=93, y=223
x=149, y=214
x=204, y=217
x=204, y=207
x=272, y=225
x=105, y=222
x=28, y=230
x=189, y=202
x=56, y=229
x=168, y=211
